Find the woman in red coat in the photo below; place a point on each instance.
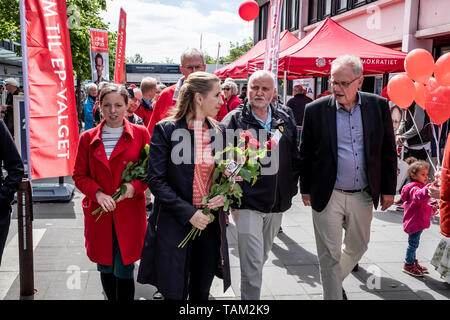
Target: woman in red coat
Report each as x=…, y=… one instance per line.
x=232, y=101
x=115, y=241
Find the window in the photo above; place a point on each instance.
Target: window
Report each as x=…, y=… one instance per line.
x=261, y=23
x=326, y=8
x=322, y=9
x=341, y=5
x=313, y=10
x=291, y=15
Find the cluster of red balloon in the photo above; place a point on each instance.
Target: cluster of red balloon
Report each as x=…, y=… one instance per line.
x=248, y=10
x=430, y=93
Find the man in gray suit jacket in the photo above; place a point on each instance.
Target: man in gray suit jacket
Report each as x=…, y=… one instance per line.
x=348, y=164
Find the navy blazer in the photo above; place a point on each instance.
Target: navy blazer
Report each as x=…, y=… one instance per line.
x=318, y=149
x=171, y=184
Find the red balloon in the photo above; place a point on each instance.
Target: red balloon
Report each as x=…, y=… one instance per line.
x=248, y=10
x=420, y=94
x=431, y=85
x=437, y=104
x=401, y=91
x=442, y=70
x=419, y=65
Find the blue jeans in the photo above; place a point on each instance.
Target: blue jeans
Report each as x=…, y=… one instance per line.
x=413, y=244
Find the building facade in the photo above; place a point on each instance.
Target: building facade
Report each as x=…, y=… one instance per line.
x=10, y=63
x=399, y=24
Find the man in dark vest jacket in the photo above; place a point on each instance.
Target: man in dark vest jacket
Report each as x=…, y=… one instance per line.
x=416, y=140
x=12, y=86
x=11, y=162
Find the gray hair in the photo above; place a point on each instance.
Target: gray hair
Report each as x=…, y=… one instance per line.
x=136, y=90
x=261, y=74
x=232, y=85
x=192, y=53
x=12, y=82
x=101, y=85
x=351, y=61
x=91, y=85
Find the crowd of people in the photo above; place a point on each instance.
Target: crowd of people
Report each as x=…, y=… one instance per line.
x=339, y=151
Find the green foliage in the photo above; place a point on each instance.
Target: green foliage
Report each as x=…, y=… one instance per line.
x=236, y=50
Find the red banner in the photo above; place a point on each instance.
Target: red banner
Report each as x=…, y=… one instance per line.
x=99, y=55
x=120, y=50
x=49, y=93
x=273, y=37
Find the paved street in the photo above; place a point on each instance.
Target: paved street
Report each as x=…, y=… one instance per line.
x=63, y=271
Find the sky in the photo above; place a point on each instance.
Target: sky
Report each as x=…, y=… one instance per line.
x=164, y=29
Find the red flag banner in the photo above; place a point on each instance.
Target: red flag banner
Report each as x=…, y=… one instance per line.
x=273, y=37
x=99, y=55
x=49, y=88
x=120, y=51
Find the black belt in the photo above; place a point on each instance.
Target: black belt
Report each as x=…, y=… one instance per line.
x=353, y=191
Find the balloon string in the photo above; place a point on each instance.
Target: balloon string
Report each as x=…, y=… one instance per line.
x=420, y=137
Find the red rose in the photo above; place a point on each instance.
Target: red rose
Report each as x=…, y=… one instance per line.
x=271, y=144
x=253, y=144
x=247, y=135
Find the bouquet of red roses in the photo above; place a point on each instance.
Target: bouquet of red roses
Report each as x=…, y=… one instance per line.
x=241, y=163
x=133, y=171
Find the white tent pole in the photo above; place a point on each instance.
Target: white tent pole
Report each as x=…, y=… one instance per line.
x=284, y=87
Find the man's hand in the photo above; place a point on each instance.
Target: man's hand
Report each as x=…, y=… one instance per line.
x=306, y=200
x=4, y=107
x=386, y=201
x=400, y=141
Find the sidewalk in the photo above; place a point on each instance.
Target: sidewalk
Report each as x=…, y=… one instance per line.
x=63, y=271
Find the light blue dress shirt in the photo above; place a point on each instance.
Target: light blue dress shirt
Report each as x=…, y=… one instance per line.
x=266, y=125
x=351, y=164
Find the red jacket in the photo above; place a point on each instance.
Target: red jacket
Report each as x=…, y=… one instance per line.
x=93, y=171
x=444, y=214
x=145, y=112
x=224, y=109
x=162, y=105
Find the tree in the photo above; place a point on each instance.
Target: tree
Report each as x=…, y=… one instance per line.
x=9, y=20
x=236, y=50
x=136, y=59
x=82, y=15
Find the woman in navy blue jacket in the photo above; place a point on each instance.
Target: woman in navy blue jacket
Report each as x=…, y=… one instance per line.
x=180, y=174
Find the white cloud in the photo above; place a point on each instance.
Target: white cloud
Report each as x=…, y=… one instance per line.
x=156, y=30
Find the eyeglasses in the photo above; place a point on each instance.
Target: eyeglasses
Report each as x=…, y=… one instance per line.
x=193, y=68
x=342, y=84
x=226, y=89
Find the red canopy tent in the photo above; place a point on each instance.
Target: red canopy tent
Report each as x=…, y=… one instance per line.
x=312, y=55
x=238, y=69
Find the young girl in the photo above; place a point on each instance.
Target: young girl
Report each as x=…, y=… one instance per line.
x=417, y=213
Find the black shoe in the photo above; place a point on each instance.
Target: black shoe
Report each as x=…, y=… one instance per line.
x=280, y=231
x=355, y=268
x=344, y=296
x=157, y=296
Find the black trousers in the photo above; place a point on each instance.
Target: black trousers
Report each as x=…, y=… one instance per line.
x=202, y=262
x=418, y=154
x=5, y=219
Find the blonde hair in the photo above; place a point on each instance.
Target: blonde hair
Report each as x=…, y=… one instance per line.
x=147, y=84
x=197, y=82
x=416, y=166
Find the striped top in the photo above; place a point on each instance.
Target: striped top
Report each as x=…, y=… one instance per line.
x=110, y=136
x=204, y=166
